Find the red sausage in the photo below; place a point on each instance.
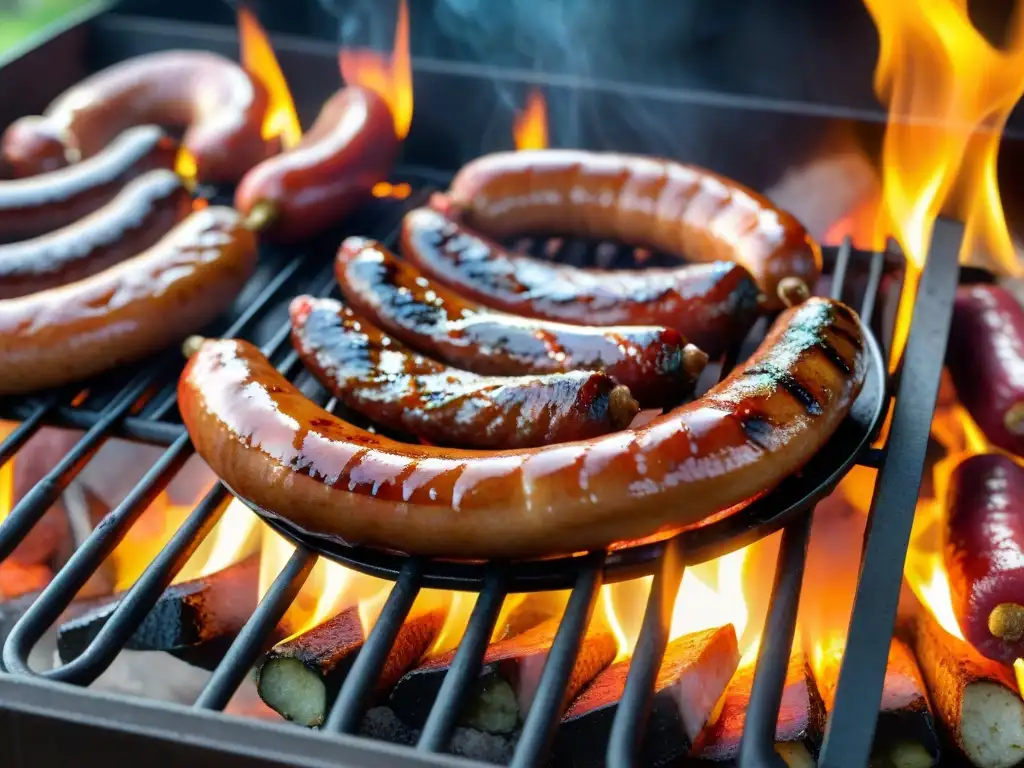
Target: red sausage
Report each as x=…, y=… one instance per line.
x=220, y=107
x=44, y=203
x=656, y=364
x=712, y=305
x=387, y=382
x=986, y=361
x=136, y=219
x=985, y=553
x=660, y=204
x=129, y=310
x=351, y=146
x=287, y=456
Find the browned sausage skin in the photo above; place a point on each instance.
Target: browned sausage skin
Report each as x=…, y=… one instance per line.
x=47, y=202
x=289, y=457
x=387, y=382
x=671, y=207
x=220, y=106
x=136, y=219
x=656, y=364
x=713, y=305
x=351, y=146
x=129, y=310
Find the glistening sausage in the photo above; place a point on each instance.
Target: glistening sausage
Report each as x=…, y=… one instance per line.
x=713, y=305
x=47, y=202
x=383, y=380
x=220, y=106
x=656, y=364
x=291, y=458
x=301, y=192
x=136, y=219
x=671, y=207
x=129, y=310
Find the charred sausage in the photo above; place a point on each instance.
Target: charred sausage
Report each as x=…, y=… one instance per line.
x=389, y=383
x=47, y=202
x=351, y=146
x=712, y=305
x=656, y=364
x=986, y=361
x=984, y=553
x=136, y=219
x=291, y=458
x=129, y=310
x=220, y=107
x=671, y=207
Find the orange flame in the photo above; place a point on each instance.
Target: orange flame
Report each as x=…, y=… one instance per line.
x=258, y=59
x=386, y=189
x=390, y=78
x=530, y=129
x=185, y=165
x=949, y=93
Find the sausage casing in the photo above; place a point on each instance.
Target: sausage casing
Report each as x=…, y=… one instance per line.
x=47, y=202
x=351, y=146
x=712, y=305
x=656, y=364
x=136, y=219
x=129, y=310
x=291, y=458
x=221, y=107
x=395, y=387
x=660, y=204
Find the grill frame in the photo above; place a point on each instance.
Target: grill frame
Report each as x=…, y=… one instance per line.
x=30, y=707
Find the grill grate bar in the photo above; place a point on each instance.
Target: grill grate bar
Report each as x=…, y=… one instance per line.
x=139, y=428
x=21, y=433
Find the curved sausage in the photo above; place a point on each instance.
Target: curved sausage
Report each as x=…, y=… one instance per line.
x=389, y=383
x=660, y=204
x=220, y=106
x=712, y=305
x=129, y=310
x=136, y=219
x=291, y=458
x=656, y=364
x=47, y=202
x=351, y=146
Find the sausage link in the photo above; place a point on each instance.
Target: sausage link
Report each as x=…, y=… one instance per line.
x=47, y=202
x=656, y=364
x=129, y=310
x=660, y=204
x=713, y=305
x=383, y=380
x=295, y=460
x=218, y=104
x=136, y=219
x=351, y=146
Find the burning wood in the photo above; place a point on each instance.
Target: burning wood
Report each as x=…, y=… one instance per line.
x=507, y=682
x=195, y=620
x=300, y=677
x=799, y=727
x=694, y=672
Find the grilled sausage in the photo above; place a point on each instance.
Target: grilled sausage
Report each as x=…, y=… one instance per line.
x=129, y=310
x=133, y=221
x=656, y=364
x=387, y=382
x=712, y=305
x=351, y=146
x=44, y=203
x=671, y=207
x=220, y=106
x=291, y=458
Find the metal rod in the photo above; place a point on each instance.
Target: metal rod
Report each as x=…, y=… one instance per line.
x=546, y=709
x=362, y=678
x=249, y=643
x=140, y=429
x=635, y=706
x=841, y=268
x=21, y=433
x=876, y=265
x=465, y=667
x=851, y=725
